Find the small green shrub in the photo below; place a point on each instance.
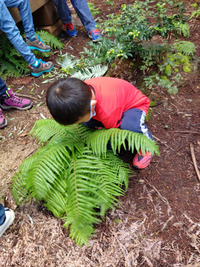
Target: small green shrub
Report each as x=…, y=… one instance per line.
x=75, y=175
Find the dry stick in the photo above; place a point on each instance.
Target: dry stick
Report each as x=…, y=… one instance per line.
x=185, y=132
x=194, y=160
x=29, y=96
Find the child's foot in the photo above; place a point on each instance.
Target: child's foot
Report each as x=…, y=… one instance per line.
x=10, y=216
x=9, y=100
x=36, y=43
x=3, y=121
x=42, y=67
x=141, y=161
x=69, y=29
x=95, y=35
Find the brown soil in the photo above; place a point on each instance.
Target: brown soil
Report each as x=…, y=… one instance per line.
x=157, y=223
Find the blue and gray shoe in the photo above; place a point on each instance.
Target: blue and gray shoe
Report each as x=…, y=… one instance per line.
x=36, y=43
x=42, y=67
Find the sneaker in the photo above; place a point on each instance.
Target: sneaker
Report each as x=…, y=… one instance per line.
x=10, y=100
x=95, y=35
x=69, y=29
x=3, y=121
x=37, y=44
x=43, y=67
x=141, y=161
x=10, y=216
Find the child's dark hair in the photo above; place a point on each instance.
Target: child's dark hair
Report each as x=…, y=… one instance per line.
x=68, y=100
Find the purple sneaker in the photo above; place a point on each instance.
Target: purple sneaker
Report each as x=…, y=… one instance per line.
x=3, y=121
x=9, y=100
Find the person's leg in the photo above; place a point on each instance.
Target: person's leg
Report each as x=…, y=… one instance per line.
x=133, y=120
x=63, y=11
x=83, y=11
x=8, y=26
x=86, y=18
x=3, y=121
x=65, y=15
x=2, y=214
x=9, y=100
x=33, y=41
x=25, y=13
x=3, y=87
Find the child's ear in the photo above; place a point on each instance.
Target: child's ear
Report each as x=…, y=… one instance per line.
x=94, y=102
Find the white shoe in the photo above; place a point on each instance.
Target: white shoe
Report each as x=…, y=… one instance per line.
x=10, y=216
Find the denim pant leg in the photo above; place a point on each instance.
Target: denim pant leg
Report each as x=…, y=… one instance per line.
x=8, y=26
x=2, y=214
x=82, y=10
x=84, y=14
x=25, y=13
x=63, y=11
x=133, y=120
x=3, y=87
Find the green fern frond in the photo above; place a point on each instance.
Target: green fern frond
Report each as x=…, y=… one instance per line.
x=92, y=72
x=185, y=47
x=98, y=141
x=12, y=63
x=50, y=39
x=182, y=29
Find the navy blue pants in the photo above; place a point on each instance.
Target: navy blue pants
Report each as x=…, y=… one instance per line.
x=2, y=214
x=3, y=87
x=132, y=120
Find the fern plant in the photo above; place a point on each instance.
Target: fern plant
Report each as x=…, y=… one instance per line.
x=75, y=175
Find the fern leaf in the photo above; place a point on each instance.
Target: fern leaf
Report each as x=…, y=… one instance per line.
x=88, y=73
x=50, y=39
x=98, y=141
x=185, y=47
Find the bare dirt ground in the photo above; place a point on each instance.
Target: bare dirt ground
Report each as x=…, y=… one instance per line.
x=158, y=221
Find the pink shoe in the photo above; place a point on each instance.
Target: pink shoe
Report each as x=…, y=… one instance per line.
x=9, y=100
x=141, y=161
x=3, y=121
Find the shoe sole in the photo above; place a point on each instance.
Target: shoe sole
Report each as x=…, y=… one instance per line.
x=12, y=107
x=38, y=49
x=95, y=41
x=40, y=73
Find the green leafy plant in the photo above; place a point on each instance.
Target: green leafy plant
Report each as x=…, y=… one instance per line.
x=75, y=175
x=73, y=66
x=12, y=64
x=130, y=34
x=94, y=11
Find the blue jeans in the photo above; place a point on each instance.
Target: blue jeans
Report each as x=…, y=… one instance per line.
x=132, y=120
x=82, y=10
x=3, y=87
x=8, y=26
x=2, y=214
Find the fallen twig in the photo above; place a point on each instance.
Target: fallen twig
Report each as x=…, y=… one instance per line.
x=185, y=132
x=194, y=160
x=29, y=96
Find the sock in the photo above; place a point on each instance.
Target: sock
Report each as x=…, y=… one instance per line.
x=36, y=64
x=32, y=38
